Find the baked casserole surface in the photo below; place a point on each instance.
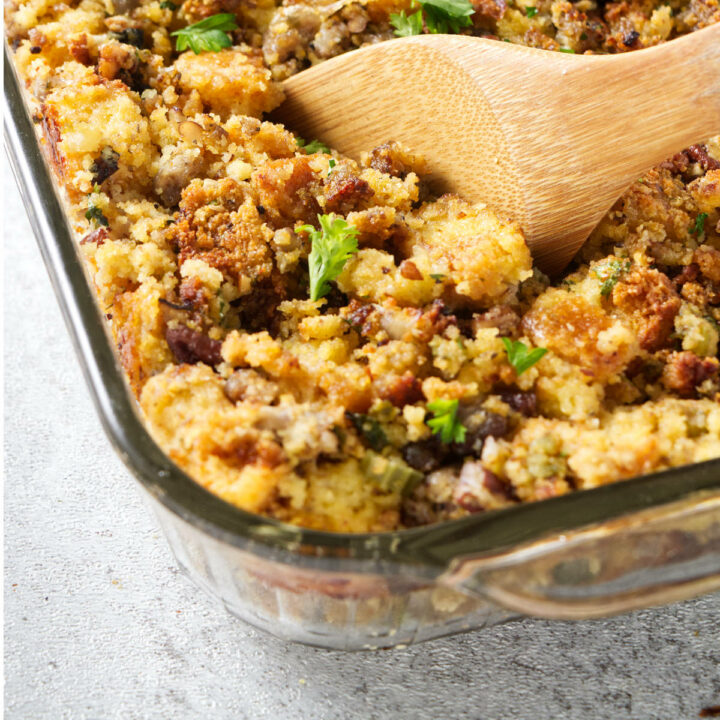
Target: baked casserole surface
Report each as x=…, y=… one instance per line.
x=325, y=342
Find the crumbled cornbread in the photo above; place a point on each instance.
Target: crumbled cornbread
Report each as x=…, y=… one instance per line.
x=438, y=373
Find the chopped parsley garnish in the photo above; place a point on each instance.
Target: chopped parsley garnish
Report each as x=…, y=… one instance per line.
x=610, y=273
x=445, y=422
x=520, y=356
x=699, y=227
x=95, y=214
x=370, y=429
x=441, y=16
x=314, y=146
x=530, y=11
x=208, y=35
x=407, y=25
x=332, y=246
x=567, y=50
x=331, y=166
x=437, y=277
x=167, y=5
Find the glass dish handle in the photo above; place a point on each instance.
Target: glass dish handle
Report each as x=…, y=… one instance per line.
x=652, y=557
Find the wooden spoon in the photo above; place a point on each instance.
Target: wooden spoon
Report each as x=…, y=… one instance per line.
x=550, y=139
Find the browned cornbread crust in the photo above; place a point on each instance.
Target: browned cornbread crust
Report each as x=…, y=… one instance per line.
x=189, y=210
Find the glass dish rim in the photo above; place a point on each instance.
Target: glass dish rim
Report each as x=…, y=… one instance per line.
x=434, y=546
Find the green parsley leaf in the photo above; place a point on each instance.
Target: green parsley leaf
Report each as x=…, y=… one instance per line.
x=445, y=422
x=567, y=50
x=530, y=11
x=314, y=146
x=437, y=277
x=519, y=355
x=332, y=246
x=95, y=214
x=331, y=166
x=370, y=429
x=167, y=5
x=407, y=25
x=610, y=273
x=443, y=16
x=208, y=35
x=699, y=227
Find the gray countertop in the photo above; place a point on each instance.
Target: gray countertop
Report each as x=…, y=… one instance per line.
x=100, y=624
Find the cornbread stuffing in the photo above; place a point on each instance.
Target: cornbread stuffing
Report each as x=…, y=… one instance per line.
x=321, y=340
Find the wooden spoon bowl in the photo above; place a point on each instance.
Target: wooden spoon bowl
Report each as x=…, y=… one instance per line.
x=547, y=138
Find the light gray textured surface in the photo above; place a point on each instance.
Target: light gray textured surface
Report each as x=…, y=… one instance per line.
x=99, y=624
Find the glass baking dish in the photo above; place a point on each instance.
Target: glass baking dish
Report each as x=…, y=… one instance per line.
x=637, y=543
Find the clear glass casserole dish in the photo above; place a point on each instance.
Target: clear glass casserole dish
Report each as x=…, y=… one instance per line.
x=641, y=542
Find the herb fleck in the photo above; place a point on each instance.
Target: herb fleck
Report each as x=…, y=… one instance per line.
x=208, y=35
x=332, y=246
x=610, y=273
x=407, y=25
x=441, y=16
x=445, y=422
x=314, y=146
x=520, y=356
x=95, y=214
x=699, y=227
x=370, y=429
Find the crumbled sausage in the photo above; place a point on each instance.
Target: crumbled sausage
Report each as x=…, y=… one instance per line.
x=494, y=9
x=434, y=321
x=502, y=317
x=249, y=386
x=699, y=154
x=120, y=61
x=96, y=237
x=357, y=316
x=393, y=159
x=400, y=390
x=708, y=261
x=649, y=298
x=344, y=191
x=191, y=346
x=685, y=371
x=688, y=274
x=192, y=292
x=176, y=170
x=288, y=190
x=79, y=49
